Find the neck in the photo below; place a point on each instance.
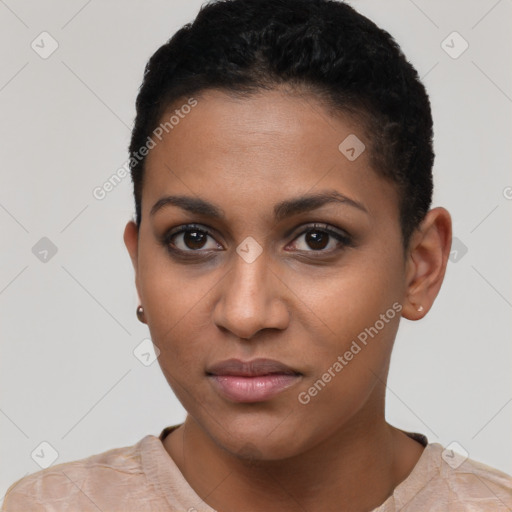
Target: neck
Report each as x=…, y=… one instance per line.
x=355, y=469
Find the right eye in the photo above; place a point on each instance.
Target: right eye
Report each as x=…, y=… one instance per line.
x=191, y=237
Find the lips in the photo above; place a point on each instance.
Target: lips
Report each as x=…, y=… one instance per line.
x=256, y=367
x=258, y=380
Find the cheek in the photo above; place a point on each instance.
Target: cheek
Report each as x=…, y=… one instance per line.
x=352, y=297
x=350, y=362
x=353, y=315
x=174, y=301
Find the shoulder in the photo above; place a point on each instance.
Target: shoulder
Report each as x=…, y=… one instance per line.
x=446, y=480
x=80, y=484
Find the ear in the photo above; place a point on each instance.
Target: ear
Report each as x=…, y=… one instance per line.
x=427, y=257
x=131, y=241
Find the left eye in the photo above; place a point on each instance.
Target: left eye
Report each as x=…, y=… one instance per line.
x=319, y=238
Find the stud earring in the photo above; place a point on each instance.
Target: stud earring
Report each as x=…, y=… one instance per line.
x=140, y=314
x=420, y=308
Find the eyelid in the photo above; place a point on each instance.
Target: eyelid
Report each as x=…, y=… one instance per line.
x=188, y=227
x=322, y=226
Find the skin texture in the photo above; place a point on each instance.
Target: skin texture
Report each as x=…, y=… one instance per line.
x=299, y=303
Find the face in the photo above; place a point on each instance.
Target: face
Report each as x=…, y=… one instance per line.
x=262, y=273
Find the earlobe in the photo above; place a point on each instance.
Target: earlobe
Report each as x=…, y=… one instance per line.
x=426, y=264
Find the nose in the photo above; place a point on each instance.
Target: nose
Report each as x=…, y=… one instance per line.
x=252, y=298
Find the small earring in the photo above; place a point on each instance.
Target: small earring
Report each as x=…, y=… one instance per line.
x=140, y=314
x=420, y=308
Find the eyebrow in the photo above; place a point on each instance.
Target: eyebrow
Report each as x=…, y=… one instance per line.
x=282, y=210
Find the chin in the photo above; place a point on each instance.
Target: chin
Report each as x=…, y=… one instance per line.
x=253, y=438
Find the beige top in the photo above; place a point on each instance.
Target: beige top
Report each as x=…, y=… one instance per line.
x=144, y=478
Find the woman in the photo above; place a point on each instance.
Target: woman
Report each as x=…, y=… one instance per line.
x=282, y=167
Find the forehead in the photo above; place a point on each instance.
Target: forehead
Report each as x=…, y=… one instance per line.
x=254, y=151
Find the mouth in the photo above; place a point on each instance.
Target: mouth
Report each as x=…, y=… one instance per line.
x=251, y=381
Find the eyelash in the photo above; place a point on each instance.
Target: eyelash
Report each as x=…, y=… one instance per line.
x=344, y=239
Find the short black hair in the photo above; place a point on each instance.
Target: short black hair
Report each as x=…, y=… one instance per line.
x=322, y=47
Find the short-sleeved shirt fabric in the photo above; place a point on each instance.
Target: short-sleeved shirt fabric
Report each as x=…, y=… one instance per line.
x=144, y=478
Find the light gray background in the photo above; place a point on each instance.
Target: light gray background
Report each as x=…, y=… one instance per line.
x=68, y=327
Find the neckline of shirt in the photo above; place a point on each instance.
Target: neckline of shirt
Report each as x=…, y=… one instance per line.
x=163, y=473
